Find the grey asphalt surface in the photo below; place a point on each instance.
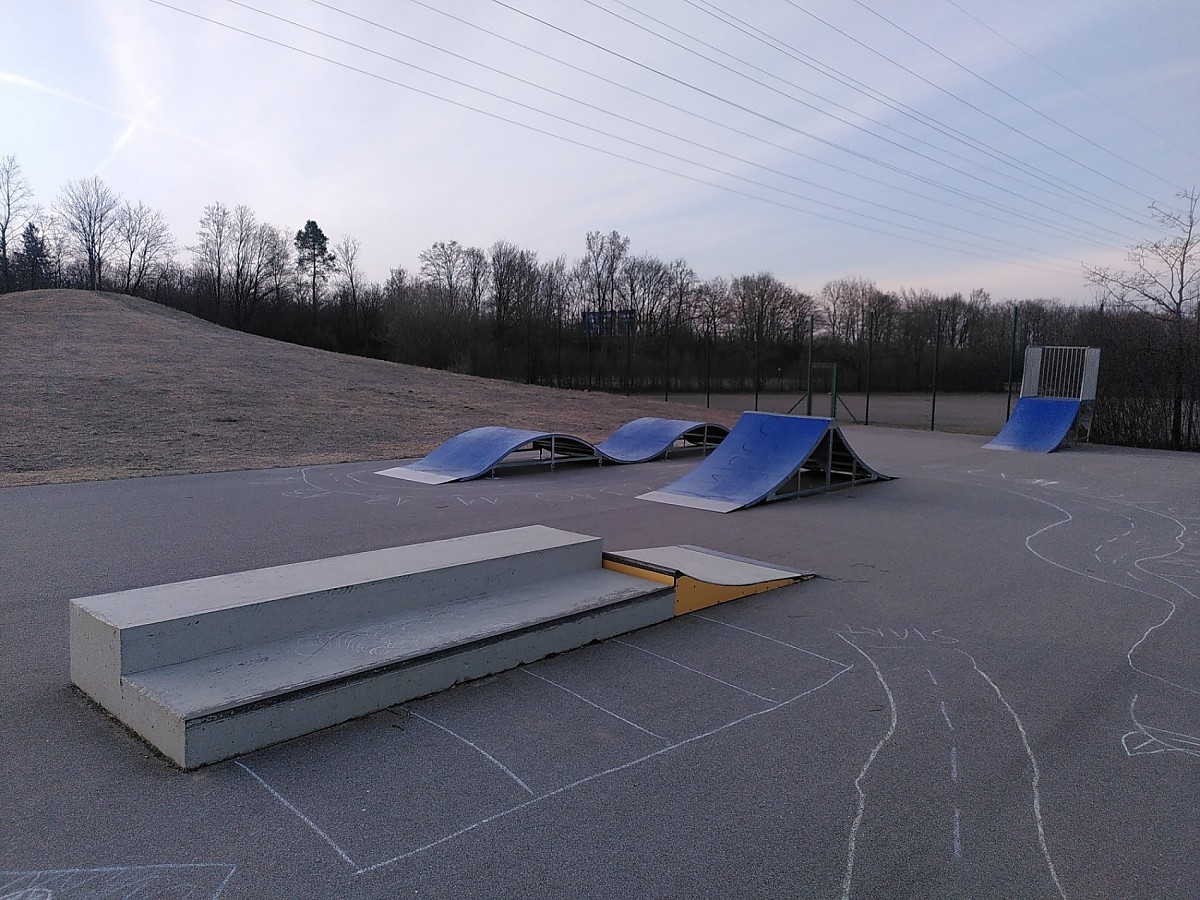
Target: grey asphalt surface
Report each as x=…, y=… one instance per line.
x=991, y=690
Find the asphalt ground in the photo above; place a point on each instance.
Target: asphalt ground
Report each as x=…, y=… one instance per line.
x=991, y=690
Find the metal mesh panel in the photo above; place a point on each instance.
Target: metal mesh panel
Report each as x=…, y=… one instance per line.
x=1069, y=372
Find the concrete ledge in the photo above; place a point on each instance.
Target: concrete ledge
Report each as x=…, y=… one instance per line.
x=213, y=667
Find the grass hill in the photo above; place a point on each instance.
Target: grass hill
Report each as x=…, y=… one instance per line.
x=96, y=386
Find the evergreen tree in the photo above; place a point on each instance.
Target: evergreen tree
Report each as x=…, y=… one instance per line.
x=313, y=258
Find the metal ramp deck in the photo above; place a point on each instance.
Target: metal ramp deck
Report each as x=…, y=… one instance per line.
x=649, y=438
x=769, y=457
x=1040, y=425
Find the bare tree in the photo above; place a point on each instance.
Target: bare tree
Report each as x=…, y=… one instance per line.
x=15, y=206
x=143, y=244
x=350, y=282
x=212, y=252
x=88, y=209
x=1163, y=283
x=444, y=265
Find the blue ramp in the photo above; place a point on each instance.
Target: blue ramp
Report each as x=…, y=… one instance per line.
x=481, y=450
x=769, y=457
x=648, y=438
x=1038, y=425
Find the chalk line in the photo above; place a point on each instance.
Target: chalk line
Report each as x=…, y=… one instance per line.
x=676, y=662
x=303, y=818
x=529, y=671
x=1171, y=741
x=862, y=797
x=501, y=766
x=1037, y=801
x=931, y=678
x=954, y=763
x=765, y=637
x=610, y=771
x=945, y=715
x=957, y=835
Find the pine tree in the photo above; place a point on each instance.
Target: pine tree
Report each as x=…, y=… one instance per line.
x=313, y=258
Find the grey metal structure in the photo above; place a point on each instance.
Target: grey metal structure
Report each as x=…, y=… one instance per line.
x=1069, y=373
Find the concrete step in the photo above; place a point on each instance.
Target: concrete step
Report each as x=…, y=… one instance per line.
x=207, y=669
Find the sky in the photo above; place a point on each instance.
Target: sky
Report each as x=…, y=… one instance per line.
x=952, y=145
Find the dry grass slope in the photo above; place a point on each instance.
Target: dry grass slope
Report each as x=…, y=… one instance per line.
x=96, y=386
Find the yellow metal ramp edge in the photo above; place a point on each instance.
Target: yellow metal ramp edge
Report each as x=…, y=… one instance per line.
x=702, y=577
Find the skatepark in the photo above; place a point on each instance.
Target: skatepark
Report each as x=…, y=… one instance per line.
x=988, y=689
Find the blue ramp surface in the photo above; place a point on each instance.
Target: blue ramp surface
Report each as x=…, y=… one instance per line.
x=1037, y=425
x=768, y=457
x=480, y=450
x=648, y=438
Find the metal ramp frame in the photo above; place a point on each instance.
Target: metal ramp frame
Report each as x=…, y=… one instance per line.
x=1057, y=401
x=769, y=457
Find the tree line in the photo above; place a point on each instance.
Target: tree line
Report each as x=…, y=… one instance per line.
x=616, y=320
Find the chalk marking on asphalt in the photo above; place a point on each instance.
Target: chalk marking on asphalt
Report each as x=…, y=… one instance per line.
x=529, y=671
x=676, y=662
x=1170, y=741
x=1037, y=800
x=766, y=637
x=97, y=881
x=954, y=763
x=611, y=771
x=303, y=818
x=931, y=678
x=848, y=878
x=957, y=834
x=945, y=715
x=1137, y=564
x=503, y=768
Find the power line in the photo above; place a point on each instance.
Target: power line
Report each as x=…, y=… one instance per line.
x=794, y=152
x=1029, y=107
x=1075, y=84
x=1063, y=188
x=953, y=95
x=466, y=106
x=677, y=137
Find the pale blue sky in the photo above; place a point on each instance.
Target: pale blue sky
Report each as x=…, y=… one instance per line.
x=1092, y=112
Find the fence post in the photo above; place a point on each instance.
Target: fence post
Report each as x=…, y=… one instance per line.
x=937, y=346
x=1012, y=355
x=870, y=347
x=808, y=387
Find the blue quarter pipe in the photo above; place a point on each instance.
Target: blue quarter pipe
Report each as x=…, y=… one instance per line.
x=1038, y=425
x=648, y=438
x=481, y=450
x=769, y=457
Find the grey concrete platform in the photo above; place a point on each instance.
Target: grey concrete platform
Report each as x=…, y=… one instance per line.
x=216, y=667
x=992, y=690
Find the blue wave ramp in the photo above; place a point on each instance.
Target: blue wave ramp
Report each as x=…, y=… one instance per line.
x=649, y=438
x=482, y=450
x=769, y=457
x=1039, y=425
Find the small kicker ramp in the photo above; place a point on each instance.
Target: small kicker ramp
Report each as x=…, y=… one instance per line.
x=701, y=577
x=769, y=457
x=482, y=450
x=649, y=438
x=1039, y=425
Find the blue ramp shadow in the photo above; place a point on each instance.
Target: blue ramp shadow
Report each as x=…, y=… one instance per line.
x=649, y=438
x=1038, y=425
x=769, y=457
